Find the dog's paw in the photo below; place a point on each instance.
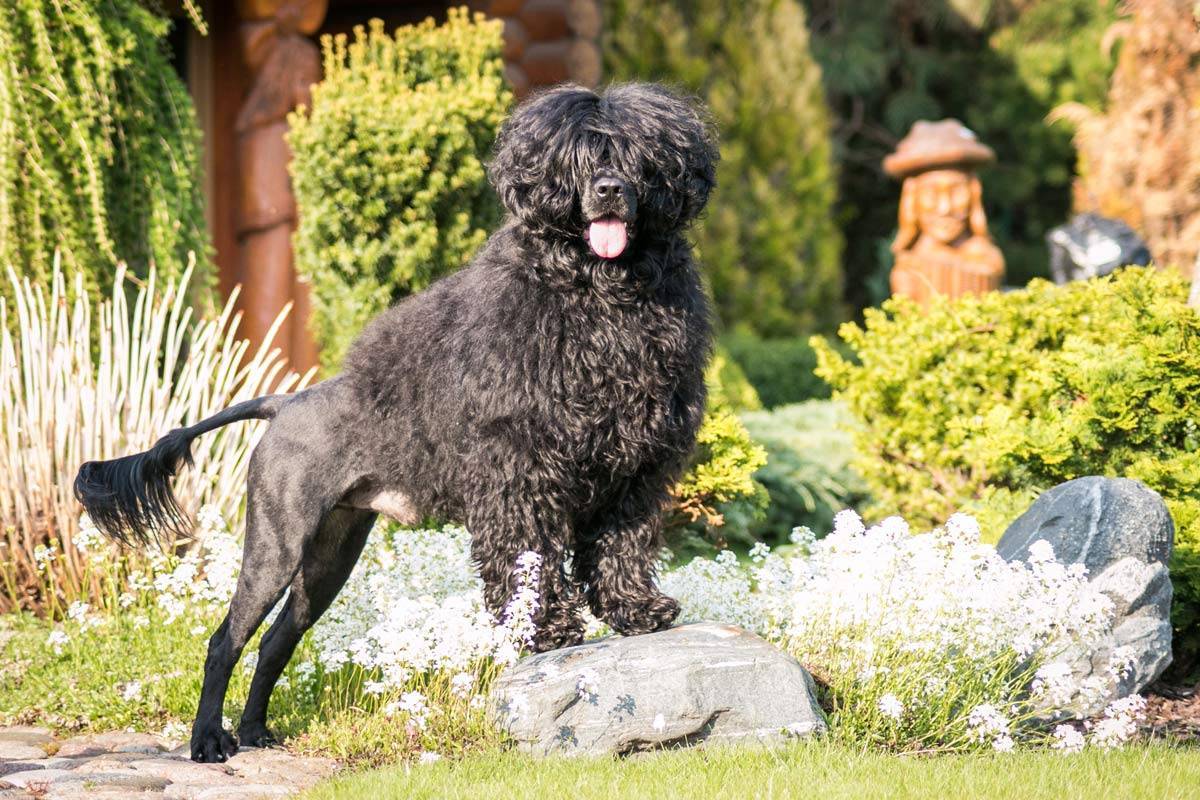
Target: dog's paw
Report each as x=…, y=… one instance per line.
x=653, y=614
x=545, y=641
x=256, y=735
x=212, y=744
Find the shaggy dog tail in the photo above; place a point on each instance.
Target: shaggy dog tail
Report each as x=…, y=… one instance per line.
x=130, y=498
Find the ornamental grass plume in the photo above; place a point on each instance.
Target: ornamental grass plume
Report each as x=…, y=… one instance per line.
x=82, y=381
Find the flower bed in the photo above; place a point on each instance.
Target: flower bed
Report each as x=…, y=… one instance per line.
x=926, y=642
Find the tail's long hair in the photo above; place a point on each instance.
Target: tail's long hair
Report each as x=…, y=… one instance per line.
x=130, y=498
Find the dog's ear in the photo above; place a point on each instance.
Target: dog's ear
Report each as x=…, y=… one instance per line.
x=532, y=167
x=673, y=137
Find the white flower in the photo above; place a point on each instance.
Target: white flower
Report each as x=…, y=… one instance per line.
x=57, y=639
x=1121, y=661
x=43, y=556
x=1040, y=552
x=175, y=731
x=847, y=523
x=517, y=705
x=1003, y=743
x=88, y=538
x=126, y=599
x=429, y=757
x=963, y=529
x=78, y=610
x=1119, y=722
x=891, y=707
x=132, y=691
x=462, y=684
x=986, y=722
x=587, y=685
x=1067, y=739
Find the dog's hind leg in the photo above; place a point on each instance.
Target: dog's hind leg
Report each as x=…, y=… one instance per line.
x=328, y=562
x=283, y=511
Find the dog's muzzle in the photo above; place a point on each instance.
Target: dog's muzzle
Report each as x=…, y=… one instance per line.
x=608, y=206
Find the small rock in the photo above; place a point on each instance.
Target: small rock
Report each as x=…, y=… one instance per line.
x=182, y=771
x=246, y=791
x=81, y=747
x=118, y=740
x=19, y=751
x=692, y=684
x=26, y=734
x=9, y=767
x=36, y=777
x=119, y=780
x=1122, y=533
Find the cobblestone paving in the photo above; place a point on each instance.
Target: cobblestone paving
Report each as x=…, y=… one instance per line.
x=36, y=764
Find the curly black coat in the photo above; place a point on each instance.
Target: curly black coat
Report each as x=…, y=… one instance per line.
x=547, y=395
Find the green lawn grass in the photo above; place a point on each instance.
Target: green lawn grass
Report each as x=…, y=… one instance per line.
x=815, y=769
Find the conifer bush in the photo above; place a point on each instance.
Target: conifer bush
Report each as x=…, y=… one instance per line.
x=388, y=166
x=99, y=147
x=983, y=402
x=768, y=242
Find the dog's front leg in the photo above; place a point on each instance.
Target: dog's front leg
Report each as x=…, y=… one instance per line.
x=615, y=559
x=508, y=524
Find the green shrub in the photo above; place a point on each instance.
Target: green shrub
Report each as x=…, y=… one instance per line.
x=982, y=402
x=728, y=385
x=808, y=476
x=718, y=498
x=768, y=243
x=781, y=370
x=99, y=149
x=388, y=166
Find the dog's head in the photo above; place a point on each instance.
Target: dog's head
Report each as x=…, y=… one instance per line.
x=605, y=170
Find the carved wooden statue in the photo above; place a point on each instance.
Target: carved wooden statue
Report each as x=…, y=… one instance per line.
x=283, y=63
x=943, y=245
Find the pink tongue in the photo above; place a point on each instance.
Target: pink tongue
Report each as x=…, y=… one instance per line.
x=607, y=237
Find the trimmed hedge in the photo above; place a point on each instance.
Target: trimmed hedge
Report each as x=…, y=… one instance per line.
x=388, y=166
x=983, y=402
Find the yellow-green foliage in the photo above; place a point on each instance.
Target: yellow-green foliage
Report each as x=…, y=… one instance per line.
x=982, y=402
x=719, y=486
x=388, y=166
x=99, y=148
x=728, y=385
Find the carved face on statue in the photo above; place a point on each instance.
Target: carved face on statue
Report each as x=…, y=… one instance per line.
x=943, y=200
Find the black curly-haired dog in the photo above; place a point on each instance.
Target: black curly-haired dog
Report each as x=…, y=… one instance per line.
x=547, y=396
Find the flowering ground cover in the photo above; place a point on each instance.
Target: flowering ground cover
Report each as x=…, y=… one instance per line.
x=924, y=642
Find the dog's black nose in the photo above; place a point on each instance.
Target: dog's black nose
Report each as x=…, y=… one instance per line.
x=606, y=187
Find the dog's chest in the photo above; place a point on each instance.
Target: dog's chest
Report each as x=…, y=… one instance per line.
x=621, y=377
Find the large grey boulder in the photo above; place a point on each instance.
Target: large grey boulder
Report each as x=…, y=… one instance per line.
x=1122, y=532
x=689, y=685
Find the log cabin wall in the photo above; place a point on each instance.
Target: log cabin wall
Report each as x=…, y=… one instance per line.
x=257, y=63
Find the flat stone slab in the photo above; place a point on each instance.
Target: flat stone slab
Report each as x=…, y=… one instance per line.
x=114, y=765
x=694, y=684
